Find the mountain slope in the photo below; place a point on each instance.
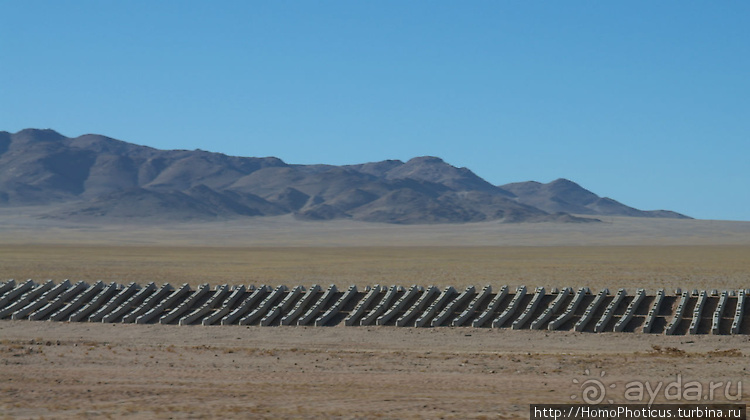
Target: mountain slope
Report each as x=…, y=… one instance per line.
x=94, y=176
x=562, y=195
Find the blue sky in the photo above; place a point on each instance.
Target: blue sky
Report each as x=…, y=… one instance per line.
x=644, y=102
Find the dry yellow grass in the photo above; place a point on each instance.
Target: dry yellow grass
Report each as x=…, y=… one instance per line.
x=285, y=231
x=63, y=370
x=718, y=267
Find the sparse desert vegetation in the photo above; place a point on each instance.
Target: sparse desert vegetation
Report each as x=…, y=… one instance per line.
x=721, y=267
x=74, y=370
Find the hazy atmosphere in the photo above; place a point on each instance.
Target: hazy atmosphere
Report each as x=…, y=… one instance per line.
x=641, y=102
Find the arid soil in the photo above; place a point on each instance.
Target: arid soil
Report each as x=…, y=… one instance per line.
x=83, y=370
x=668, y=266
x=55, y=370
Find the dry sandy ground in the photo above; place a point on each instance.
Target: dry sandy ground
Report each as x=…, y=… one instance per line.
x=110, y=370
x=285, y=231
x=622, y=252
x=60, y=370
x=720, y=267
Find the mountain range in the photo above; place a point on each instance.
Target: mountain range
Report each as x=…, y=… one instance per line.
x=93, y=176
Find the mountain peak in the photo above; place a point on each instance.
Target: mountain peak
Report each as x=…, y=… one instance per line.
x=436, y=170
x=564, y=195
x=38, y=135
x=563, y=181
x=425, y=160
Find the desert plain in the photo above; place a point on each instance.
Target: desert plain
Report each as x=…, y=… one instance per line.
x=86, y=370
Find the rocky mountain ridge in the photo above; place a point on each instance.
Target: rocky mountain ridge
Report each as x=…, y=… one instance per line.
x=94, y=176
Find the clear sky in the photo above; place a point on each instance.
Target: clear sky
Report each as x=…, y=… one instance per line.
x=645, y=102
